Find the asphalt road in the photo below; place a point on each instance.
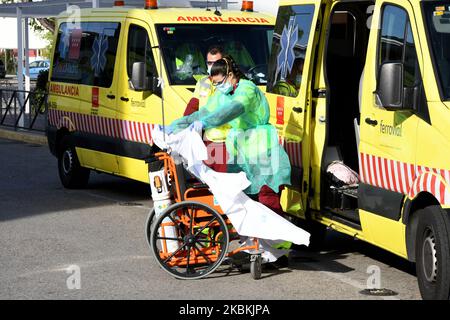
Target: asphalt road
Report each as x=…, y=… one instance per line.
x=49, y=236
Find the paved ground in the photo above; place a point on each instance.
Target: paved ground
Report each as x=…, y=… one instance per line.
x=48, y=234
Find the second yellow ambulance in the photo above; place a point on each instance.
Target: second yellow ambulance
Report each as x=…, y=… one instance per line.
x=367, y=83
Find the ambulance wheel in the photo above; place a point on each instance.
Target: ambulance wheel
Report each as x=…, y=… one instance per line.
x=433, y=253
x=195, y=246
x=71, y=174
x=148, y=226
x=256, y=267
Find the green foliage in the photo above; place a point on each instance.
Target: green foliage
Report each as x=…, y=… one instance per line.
x=10, y=62
x=42, y=80
x=40, y=92
x=47, y=51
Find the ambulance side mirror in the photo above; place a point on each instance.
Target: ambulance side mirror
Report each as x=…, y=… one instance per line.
x=139, y=77
x=390, y=86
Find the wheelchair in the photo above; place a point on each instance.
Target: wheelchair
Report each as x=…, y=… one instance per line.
x=190, y=239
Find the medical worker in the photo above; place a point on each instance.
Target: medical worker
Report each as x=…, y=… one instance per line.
x=251, y=143
x=214, y=137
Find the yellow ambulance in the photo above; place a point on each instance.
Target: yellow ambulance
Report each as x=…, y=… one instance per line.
x=114, y=70
x=365, y=85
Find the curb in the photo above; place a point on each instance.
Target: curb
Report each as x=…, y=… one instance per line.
x=24, y=136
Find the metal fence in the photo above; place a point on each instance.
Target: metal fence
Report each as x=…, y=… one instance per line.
x=22, y=109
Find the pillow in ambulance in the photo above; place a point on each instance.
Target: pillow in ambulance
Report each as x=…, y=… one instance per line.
x=343, y=173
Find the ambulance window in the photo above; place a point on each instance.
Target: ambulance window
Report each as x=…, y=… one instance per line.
x=397, y=44
x=185, y=46
x=139, y=50
x=411, y=63
x=437, y=17
x=85, y=53
x=392, y=34
x=289, y=48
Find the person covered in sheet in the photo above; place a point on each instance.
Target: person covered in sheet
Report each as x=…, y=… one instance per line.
x=251, y=143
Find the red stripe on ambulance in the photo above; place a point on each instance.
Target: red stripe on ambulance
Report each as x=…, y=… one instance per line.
x=405, y=178
x=122, y=129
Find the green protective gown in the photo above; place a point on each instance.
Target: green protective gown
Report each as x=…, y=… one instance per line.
x=252, y=143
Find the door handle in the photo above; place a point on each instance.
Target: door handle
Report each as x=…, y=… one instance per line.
x=297, y=109
x=124, y=99
x=111, y=96
x=371, y=122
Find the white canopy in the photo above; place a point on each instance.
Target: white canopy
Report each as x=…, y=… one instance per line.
x=8, y=40
x=51, y=8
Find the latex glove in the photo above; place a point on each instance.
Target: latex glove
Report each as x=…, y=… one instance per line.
x=196, y=126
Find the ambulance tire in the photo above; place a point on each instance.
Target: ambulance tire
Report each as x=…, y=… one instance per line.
x=433, y=253
x=71, y=174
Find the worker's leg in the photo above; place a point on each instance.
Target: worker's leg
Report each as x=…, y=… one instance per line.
x=271, y=199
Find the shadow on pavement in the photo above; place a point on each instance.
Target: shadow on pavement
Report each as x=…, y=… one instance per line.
x=337, y=247
x=29, y=185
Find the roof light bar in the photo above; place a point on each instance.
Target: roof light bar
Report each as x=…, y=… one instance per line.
x=247, y=6
x=151, y=4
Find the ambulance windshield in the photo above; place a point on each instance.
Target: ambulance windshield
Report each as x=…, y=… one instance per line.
x=438, y=27
x=185, y=47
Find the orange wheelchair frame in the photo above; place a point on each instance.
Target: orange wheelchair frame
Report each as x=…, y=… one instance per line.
x=196, y=225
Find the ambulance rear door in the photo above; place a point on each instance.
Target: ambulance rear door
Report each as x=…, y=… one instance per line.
x=289, y=91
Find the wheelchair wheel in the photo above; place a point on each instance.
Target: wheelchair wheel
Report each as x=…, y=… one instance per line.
x=149, y=225
x=189, y=240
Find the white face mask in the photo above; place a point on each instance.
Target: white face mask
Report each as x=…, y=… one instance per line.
x=209, y=70
x=225, y=88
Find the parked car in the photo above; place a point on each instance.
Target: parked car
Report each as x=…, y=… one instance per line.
x=2, y=70
x=36, y=67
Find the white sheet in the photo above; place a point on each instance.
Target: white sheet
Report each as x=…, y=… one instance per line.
x=249, y=218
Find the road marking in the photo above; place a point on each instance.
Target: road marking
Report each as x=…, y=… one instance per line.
x=86, y=264
x=354, y=283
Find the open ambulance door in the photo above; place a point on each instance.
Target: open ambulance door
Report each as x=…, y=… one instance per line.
x=291, y=68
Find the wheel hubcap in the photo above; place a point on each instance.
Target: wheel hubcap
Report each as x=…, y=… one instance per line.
x=67, y=161
x=189, y=240
x=429, y=257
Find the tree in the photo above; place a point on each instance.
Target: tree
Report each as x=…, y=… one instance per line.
x=47, y=51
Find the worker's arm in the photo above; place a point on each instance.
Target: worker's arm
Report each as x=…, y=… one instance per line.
x=222, y=115
x=243, y=100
